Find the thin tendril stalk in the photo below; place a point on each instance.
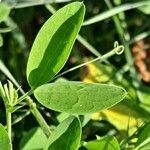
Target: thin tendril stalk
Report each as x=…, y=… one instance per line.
x=118, y=49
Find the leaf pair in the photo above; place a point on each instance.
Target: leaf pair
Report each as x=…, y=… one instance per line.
x=66, y=136
x=50, y=52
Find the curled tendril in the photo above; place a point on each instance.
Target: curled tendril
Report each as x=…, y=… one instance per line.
x=118, y=48
x=116, y=44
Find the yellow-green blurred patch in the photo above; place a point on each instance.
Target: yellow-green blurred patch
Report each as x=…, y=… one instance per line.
x=125, y=115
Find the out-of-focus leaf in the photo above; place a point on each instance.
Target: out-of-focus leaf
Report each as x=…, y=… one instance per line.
x=97, y=72
x=29, y=3
x=115, y=11
x=34, y=139
x=4, y=139
x=1, y=40
x=79, y=97
x=145, y=107
x=53, y=44
x=144, y=95
x=4, y=11
x=122, y=116
x=143, y=142
x=145, y=9
x=104, y=143
x=5, y=30
x=66, y=136
x=7, y=73
x=17, y=33
x=140, y=37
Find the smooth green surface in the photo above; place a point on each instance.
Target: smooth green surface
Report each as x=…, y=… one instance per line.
x=7, y=73
x=114, y=11
x=53, y=44
x=4, y=11
x=35, y=139
x=4, y=139
x=144, y=95
x=143, y=142
x=78, y=97
x=104, y=143
x=66, y=136
x=30, y=3
x=1, y=40
x=145, y=9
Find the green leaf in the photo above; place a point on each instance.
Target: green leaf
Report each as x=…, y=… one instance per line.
x=114, y=11
x=66, y=136
x=62, y=116
x=53, y=44
x=105, y=143
x=78, y=97
x=7, y=73
x=4, y=139
x=143, y=142
x=34, y=139
x=4, y=11
x=119, y=114
x=145, y=9
x=123, y=116
x=30, y=3
x=1, y=40
x=144, y=95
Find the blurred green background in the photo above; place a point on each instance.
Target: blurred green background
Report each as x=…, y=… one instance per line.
x=131, y=70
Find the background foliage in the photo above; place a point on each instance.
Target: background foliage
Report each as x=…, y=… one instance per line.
x=128, y=120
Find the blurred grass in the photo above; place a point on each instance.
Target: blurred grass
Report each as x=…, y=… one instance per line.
x=20, y=28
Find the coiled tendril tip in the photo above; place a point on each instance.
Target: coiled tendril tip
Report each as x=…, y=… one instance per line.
x=118, y=48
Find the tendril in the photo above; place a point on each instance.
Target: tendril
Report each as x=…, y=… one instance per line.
x=118, y=48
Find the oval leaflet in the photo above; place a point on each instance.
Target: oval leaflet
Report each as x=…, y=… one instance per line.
x=78, y=97
x=53, y=44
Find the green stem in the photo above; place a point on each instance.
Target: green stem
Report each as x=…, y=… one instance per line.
x=30, y=103
x=117, y=50
x=8, y=122
x=124, y=41
x=44, y=126
x=38, y=117
x=24, y=96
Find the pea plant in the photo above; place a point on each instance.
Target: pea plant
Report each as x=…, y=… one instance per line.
x=49, y=53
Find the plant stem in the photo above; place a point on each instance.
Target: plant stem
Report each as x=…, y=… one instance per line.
x=8, y=122
x=124, y=41
x=29, y=101
x=38, y=117
x=44, y=126
x=117, y=50
x=24, y=96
